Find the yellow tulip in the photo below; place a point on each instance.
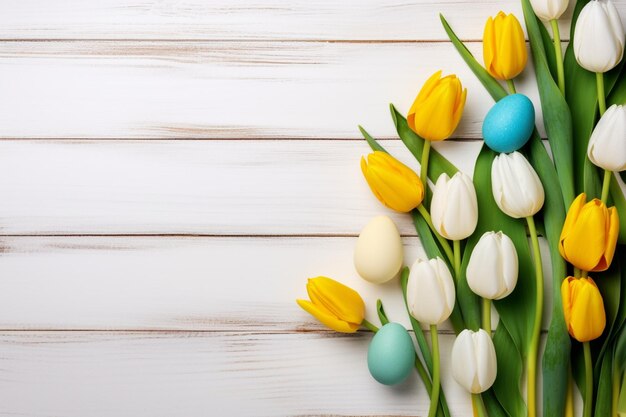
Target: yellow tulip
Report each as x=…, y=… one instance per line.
x=392, y=182
x=589, y=234
x=335, y=305
x=583, y=308
x=504, y=47
x=437, y=110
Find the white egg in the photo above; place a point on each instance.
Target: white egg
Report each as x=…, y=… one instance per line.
x=379, y=254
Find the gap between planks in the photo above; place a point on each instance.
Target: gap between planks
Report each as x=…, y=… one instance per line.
x=269, y=40
x=138, y=331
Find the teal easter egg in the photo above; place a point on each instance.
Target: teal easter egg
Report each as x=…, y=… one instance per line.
x=509, y=123
x=391, y=355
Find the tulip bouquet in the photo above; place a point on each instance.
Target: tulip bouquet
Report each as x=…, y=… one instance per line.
x=481, y=234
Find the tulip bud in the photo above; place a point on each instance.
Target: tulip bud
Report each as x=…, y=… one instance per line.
x=607, y=145
x=338, y=307
x=548, y=10
x=516, y=187
x=504, y=47
x=583, y=308
x=493, y=266
x=598, y=36
x=454, y=208
x=474, y=364
x=392, y=182
x=430, y=291
x=589, y=234
x=437, y=110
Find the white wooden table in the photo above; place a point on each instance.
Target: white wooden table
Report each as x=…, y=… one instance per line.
x=171, y=172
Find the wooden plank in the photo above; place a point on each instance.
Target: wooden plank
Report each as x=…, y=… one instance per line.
x=177, y=283
x=200, y=374
x=235, y=90
x=259, y=19
x=194, y=187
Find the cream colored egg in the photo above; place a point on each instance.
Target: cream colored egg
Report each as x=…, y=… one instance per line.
x=379, y=254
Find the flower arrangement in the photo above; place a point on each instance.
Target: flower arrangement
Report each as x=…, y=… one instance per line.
x=481, y=234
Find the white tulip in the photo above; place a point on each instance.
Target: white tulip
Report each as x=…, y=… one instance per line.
x=474, y=364
x=548, y=10
x=599, y=36
x=493, y=266
x=607, y=145
x=430, y=291
x=515, y=186
x=454, y=208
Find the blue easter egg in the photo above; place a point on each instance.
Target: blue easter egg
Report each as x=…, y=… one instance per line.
x=391, y=355
x=509, y=123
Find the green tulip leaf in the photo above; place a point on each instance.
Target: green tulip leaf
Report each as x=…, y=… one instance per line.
x=604, y=389
x=610, y=286
x=493, y=406
x=510, y=368
x=618, y=93
x=491, y=84
x=371, y=141
x=555, y=362
x=548, y=47
x=556, y=114
x=380, y=310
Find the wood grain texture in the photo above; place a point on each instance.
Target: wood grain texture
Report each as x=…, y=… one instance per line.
x=182, y=283
x=195, y=187
x=252, y=19
x=199, y=374
x=109, y=89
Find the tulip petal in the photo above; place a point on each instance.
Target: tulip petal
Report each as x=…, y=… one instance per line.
x=327, y=319
x=464, y=366
x=570, y=220
x=588, y=318
x=430, y=291
x=489, y=45
x=509, y=264
x=586, y=240
x=598, y=37
x=612, y=232
x=607, y=145
x=438, y=204
x=485, y=359
x=339, y=300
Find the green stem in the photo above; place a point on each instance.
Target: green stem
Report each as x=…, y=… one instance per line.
x=479, y=405
x=584, y=274
x=605, y=185
x=588, y=381
x=443, y=242
x=559, y=55
x=577, y=272
x=487, y=315
x=601, y=96
x=369, y=326
x=617, y=386
x=424, y=165
x=569, y=397
x=456, y=244
x=511, y=85
x=534, y=341
x=434, y=398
